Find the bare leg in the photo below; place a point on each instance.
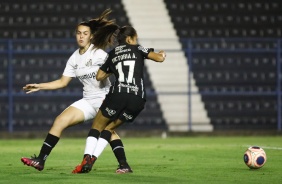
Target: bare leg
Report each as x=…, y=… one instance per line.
x=69, y=117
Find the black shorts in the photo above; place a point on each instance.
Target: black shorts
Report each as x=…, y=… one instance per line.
x=123, y=106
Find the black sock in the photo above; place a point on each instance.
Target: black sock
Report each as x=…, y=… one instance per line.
x=49, y=143
x=118, y=150
x=106, y=134
x=94, y=133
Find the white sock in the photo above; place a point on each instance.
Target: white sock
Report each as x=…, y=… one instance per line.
x=101, y=145
x=91, y=143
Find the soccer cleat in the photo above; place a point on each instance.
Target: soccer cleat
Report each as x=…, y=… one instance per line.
x=85, y=166
x=123, y=169
x=33, y=162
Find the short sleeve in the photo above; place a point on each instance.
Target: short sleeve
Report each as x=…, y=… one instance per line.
x=145, y=51
x=106, y=66
x=101, y=56
x=70, y=68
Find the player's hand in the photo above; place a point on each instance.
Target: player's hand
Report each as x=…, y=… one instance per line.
x=163, y=53
x=30, y=88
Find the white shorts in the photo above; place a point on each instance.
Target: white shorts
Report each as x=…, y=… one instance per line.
x=88, y=107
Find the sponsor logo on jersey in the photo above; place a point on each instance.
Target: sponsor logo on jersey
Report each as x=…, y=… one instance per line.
x=127, y=116
x=143, y=49
x=120, y=49
x=111, y=112
x=87, y=76
x=89, y=63
x=132, y=88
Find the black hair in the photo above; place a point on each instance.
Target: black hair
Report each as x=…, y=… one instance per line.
x=106, y=36
x=112, y=35
x=124, y=32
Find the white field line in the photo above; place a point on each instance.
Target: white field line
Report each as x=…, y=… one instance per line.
x=265, y=147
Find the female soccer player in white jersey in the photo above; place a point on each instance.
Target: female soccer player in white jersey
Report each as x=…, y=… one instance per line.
x=83, y=64
x=127, y=96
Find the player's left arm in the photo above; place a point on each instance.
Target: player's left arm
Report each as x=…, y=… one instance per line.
x=157, y=56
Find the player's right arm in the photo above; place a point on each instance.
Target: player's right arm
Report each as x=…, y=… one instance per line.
x=104, y=71
x=56, y=84
x=101, y=75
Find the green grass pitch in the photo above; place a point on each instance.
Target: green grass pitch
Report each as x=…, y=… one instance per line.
x=203, y=159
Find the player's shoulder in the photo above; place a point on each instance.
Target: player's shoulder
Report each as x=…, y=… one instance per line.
x=74, y=54
x=99, y=52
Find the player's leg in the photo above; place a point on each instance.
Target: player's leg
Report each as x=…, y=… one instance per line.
x=134, y=106
x=69, y=117
x=99, y=123
x=109, y=110
x=118, y=148
x=103, y=141
x=116, y=145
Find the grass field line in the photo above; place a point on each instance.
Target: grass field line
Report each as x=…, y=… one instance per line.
x=265, y=147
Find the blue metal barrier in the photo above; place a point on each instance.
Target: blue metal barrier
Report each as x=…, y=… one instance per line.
x=192, y=46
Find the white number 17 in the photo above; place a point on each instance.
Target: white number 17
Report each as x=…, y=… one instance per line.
x=131, y=64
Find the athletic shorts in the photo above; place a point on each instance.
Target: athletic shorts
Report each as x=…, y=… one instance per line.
x=123, y=106
x=88, y=107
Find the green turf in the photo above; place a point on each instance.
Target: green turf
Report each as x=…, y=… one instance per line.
x=154, y=160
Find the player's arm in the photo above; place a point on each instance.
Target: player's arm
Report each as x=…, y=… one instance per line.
x=57, y=84
x=101, y=75
x=158, y=57
x=104, y=71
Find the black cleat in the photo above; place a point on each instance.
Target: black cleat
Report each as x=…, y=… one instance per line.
x=123, y=169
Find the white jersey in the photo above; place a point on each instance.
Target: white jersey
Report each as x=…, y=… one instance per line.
x=85, y=67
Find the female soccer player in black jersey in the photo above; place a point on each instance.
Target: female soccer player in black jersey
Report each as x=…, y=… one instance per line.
x=127, y=96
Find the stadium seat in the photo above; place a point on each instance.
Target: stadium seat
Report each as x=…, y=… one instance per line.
x=231, y=19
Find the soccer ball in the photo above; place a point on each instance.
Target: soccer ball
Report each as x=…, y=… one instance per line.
x=254, y=157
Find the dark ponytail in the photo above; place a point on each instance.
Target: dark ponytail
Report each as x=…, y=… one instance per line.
x=124, y=32
x=101, y=21
x=106, y=36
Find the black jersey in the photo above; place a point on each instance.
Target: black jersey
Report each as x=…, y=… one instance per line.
x=126, y=62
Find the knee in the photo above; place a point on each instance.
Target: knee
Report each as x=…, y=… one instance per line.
x=110, y=129
x=61, y=121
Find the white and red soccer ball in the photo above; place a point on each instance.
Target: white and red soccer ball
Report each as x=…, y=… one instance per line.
x=254, y=157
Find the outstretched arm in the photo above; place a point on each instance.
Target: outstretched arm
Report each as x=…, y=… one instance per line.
x=158, y=57
x=57, y=84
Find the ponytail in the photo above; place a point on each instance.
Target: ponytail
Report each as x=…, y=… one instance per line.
x=99, y=22
x=106, y=36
